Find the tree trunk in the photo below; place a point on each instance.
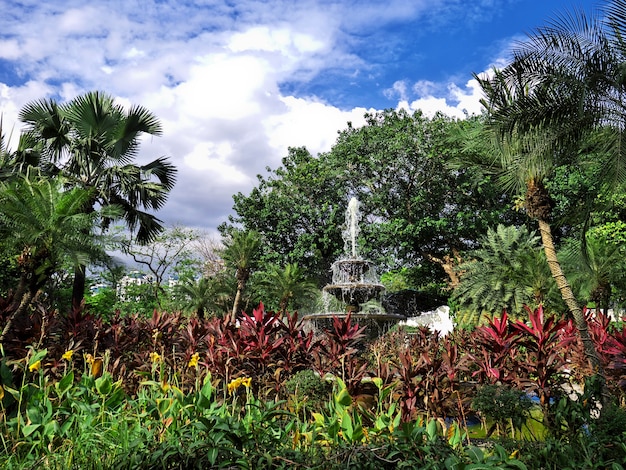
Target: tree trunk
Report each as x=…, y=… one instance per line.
x=568, y=298
x=24, y=302
x=237, y=301
x=78, y=288
x=449, y=264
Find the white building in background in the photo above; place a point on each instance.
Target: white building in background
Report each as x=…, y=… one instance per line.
x=173, y=281
x=135, y=278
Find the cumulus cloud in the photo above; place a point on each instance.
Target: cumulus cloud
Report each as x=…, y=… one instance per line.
x=456, y=101
x=213, y=72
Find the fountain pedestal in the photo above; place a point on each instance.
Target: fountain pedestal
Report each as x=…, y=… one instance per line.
x=354, y=282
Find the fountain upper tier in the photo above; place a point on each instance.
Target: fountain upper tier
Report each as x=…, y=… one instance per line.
x=354, y=282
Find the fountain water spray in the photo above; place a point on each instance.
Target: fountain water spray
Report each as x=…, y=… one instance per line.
x=354, y=280
x=351, y=233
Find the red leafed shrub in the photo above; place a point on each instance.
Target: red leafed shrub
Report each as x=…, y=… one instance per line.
x=533, y=356
x=338, y=350
x=496, y=351
x=546, y=342
x=262, y=346
x=428, y=372
x=611, y=346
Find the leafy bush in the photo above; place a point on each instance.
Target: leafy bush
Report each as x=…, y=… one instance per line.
x=503, y=405
x=306, y=391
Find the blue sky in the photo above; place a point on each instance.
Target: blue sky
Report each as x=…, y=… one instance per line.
x=236, y=82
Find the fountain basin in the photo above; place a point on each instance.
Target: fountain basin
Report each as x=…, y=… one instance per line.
x=354, y=293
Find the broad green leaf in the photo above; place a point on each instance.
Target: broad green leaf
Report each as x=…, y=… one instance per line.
x=29, y=429
x=431, y=429
x=65, y=383
x=104, y=385
x=343, y=397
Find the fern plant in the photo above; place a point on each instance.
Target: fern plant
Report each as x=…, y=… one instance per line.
x=508, y=271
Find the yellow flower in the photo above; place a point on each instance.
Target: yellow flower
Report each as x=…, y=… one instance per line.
x=234, y=384
x=35, y=366
x=193, y=362
x=247, y=382
x=67, y=355
x=155, y=357
x=89, y=359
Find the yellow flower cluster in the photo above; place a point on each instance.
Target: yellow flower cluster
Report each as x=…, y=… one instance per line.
x=35, y=366
x=238, y=382
x=193, y=362
x=95, y=364
x=67, y=355
x=155, y=357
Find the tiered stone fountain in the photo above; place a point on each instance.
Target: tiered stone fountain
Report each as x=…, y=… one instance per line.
x=354, y=282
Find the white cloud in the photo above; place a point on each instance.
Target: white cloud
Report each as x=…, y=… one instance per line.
x=309, y=123
x=458, y=102
x=213, y=75
x=11, y=101
x=9, y=49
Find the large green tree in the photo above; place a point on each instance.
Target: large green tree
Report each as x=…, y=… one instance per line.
x=92, y=141
x=298, y=211
x=416, y=212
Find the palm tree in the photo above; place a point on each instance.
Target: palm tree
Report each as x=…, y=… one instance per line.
x=288, y=285
x=241, y=251
x=20, y=161
x=202, y=295
x=597, y=269
x=44, y=225
x=92, y=142
x=567, y=81
x=507, y=272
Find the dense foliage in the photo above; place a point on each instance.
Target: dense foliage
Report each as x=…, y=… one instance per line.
x=416, y=211
x=173, y=392
x=87, y=145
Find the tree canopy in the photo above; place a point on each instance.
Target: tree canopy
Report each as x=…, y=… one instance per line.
x=417, y=211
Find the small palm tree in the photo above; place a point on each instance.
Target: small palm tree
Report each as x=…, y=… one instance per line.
x=199, y=295
x=596, y=269
x=241, y=251
x=44, y=225
x=23, y=159
x=507, y=272
x=289, y=286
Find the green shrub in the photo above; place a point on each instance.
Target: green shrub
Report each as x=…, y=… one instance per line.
x=307, y=392
x=505, y=406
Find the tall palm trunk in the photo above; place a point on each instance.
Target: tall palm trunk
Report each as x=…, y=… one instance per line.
x=568, y=298
x=21, y=301
x=237, y=302
x=78, y=287
x=19, y=311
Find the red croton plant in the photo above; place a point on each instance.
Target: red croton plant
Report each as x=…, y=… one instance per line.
x=428, y=374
